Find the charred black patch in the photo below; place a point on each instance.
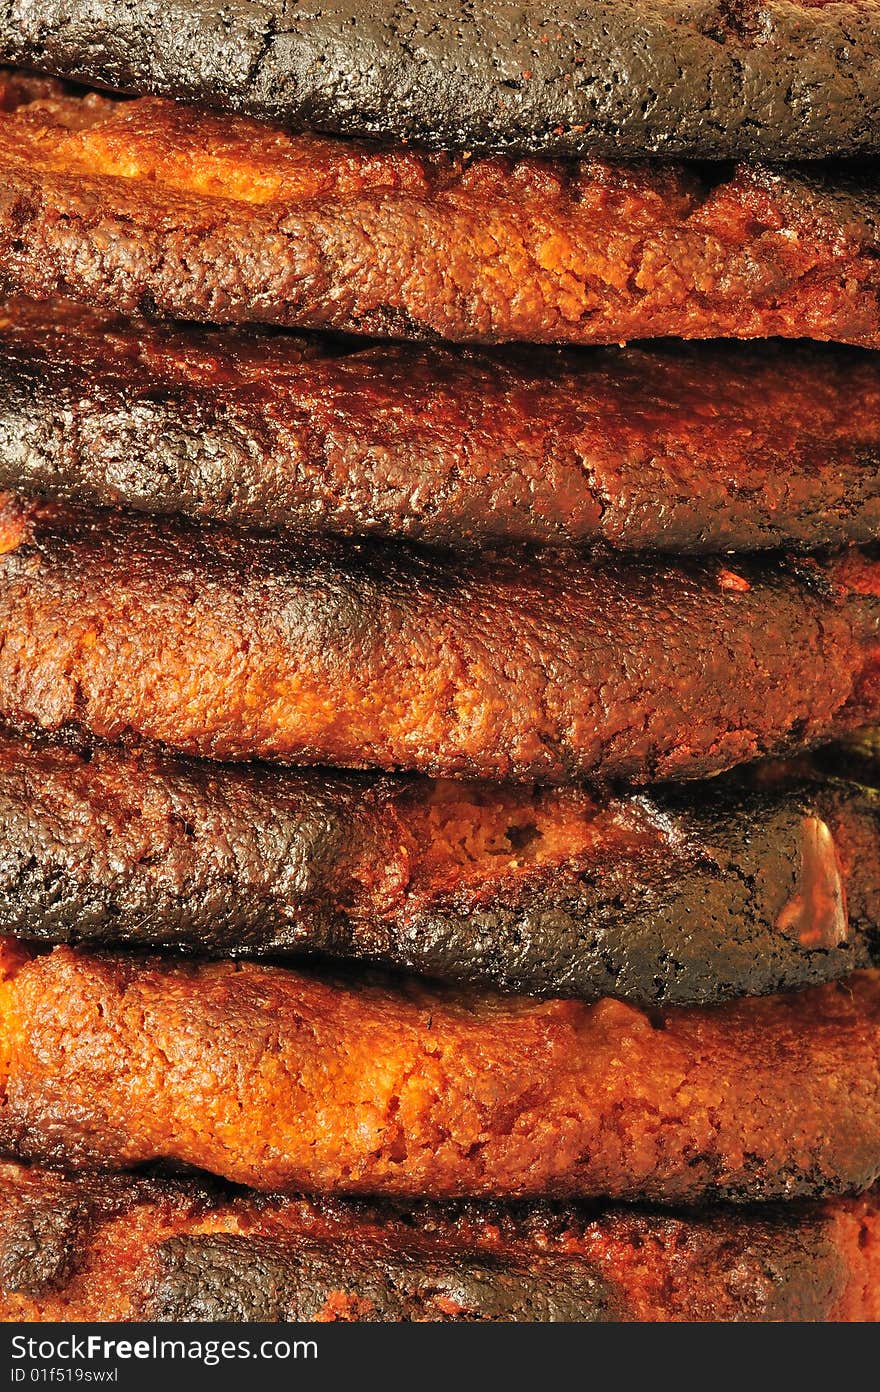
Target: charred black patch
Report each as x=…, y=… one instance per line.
x=250, y=1278
x=493, y=77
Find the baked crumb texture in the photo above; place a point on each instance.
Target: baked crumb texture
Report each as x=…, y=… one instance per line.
x=547, y=667
x=763, y=881
x=106, y=1247
x=665, y=998
x=672, y=446
x=778, y=79
x=147, y=206
x=282, y=1080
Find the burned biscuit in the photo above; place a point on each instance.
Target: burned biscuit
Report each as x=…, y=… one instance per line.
x=710, y=79
x=149, y=1249
x=746, y=886
x=674, y=447
x=149, y=207
x=279, y=1079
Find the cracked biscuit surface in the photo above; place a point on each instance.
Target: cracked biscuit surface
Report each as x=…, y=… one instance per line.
x=753, y=884
x=671, y=447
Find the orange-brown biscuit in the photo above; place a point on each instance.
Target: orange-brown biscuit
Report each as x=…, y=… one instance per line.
x=761, y=881
x=282, y=1080
x=675, y=447
x=148, y=205
x=550, y=667
x=104, y=1248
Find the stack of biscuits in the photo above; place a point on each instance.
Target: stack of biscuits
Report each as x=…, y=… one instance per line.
x=439, y=827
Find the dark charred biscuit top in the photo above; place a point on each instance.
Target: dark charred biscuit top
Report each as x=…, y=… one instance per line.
x=677, y=448
x=707, y=79
x=281, y=1079
x=549, y=667
x=686, y=896
x=148, y=206
x=121, y=1248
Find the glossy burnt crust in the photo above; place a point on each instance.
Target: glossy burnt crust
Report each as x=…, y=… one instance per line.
x=714, y=80
x=373, y=1087
x=147, y=206
x=548, y=667
x=702, y=448
x=113, y=1248
x=686, y=896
